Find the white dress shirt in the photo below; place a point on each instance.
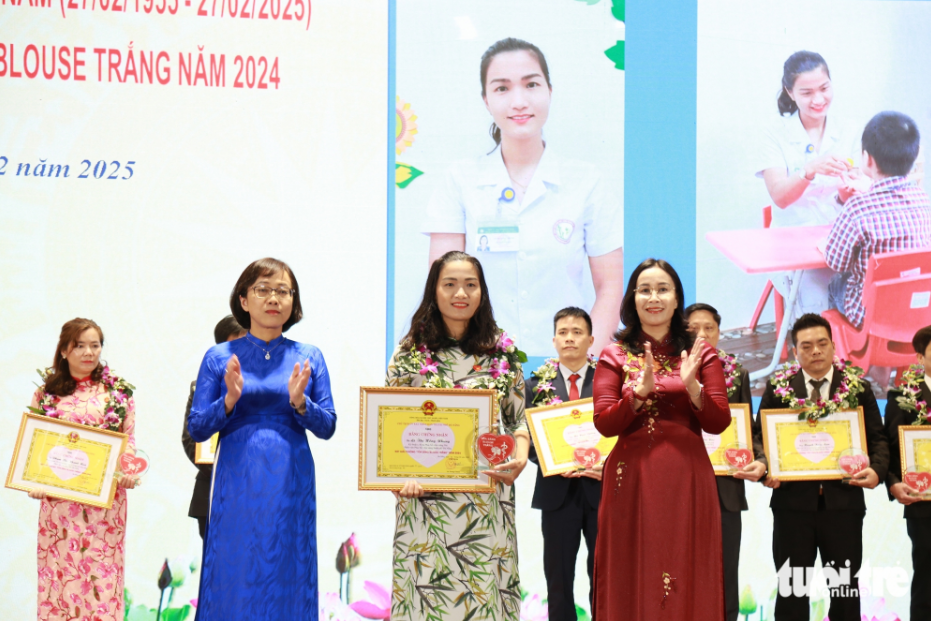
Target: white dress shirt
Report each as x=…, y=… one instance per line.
x=568, y=214
x=566, y=372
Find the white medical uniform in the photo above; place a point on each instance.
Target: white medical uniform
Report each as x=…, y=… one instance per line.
x=786, y=145
x=567, y=215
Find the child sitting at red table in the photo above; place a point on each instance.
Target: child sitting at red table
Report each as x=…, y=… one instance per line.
x=894, y=215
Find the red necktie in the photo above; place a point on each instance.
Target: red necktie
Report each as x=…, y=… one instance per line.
x=573, y=389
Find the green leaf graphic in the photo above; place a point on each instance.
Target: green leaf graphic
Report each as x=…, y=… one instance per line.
x=404, y=174
x=616, y=55
x=617, y=9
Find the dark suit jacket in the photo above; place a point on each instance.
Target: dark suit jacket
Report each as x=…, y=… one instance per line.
x=896, y=417
x=803, y=495
x=550, y=492
x=731, y=491
x=200, y=501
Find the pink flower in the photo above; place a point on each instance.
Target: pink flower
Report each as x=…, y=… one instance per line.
x=194, y=602
x=555, y=401
x=332, y=609
x=533, y=609
x=428, y=367
x=504, y=341
x=378, y=605
x=73, y=545
x=729, y=383
x=499, y=368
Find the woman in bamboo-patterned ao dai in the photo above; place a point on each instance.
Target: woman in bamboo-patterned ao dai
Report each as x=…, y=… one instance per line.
x=81, y=550
x=455, y=554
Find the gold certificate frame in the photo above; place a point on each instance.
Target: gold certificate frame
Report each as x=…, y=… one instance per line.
x=739, y=431
x=66, y=460
x=915, y=450
x=797, y=451
x=206, y=452
x=557, y=430
x=426, y=434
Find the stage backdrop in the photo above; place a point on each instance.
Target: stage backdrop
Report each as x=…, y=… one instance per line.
x=190, y=142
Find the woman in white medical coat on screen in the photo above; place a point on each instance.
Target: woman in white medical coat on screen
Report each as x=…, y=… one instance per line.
x=533, y=216
x=807, y=161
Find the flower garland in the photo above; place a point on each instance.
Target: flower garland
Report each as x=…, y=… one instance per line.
x=845, y=397
x=732, y=370
x=506, y=360
x=119, y=391
x=911, y=390
x=545, y=391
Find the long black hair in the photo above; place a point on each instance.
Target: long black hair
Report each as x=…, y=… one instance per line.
x=796, y=64
x=632, y=332
x=509, y=45
x=427, y=325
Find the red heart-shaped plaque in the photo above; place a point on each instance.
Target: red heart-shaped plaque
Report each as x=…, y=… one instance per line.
x=852, y=464
x=496, y=449
x=919, y=481
x=738, y=457
x=133, y=465
x=588, y=457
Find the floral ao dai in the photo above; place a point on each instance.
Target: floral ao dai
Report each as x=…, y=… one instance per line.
x=81, y=548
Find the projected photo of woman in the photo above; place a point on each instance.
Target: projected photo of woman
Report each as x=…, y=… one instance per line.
x=536, y=217
x=807, y=161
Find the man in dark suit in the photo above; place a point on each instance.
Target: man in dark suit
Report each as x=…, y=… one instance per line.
x=227, y=330
x=826, y=517
x=704, y=320
x=569, y=503
x=917, y=512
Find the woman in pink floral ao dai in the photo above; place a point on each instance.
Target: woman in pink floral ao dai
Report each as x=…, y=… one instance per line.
x=80, y=552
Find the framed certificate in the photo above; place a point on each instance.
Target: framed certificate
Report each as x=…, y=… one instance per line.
x=733, y=447
x=428, y=434
x=915, y=449
x=558, y=430
x=799, y=451
x=206, y=452
x=67, y=460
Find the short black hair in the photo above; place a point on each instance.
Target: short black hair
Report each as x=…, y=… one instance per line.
x=699, y=306
x=810, y=320
x=572, y=311
x=253, y=272
x=892, y=139
x=227, y=327
x=921, y=341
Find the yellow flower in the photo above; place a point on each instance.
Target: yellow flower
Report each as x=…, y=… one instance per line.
x=406, y=126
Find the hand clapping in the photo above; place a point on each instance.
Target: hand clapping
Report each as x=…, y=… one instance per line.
x=297, y=383
x=647, y=381
x=234, y=382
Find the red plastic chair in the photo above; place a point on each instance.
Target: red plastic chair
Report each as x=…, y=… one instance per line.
x=897, y=300
x=778, y=301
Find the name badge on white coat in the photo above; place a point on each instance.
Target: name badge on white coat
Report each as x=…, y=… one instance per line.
x=498, y=237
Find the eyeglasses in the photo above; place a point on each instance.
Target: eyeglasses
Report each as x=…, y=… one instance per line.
x=264, y=292
x=647, y=292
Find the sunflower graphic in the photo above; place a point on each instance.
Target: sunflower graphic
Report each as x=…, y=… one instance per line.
x=406, y=126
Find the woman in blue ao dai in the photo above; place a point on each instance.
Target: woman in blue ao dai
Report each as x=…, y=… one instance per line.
x=262, y=393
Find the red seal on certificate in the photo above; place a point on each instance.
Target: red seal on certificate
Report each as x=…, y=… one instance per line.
x=429, y=407
x=496, y=449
